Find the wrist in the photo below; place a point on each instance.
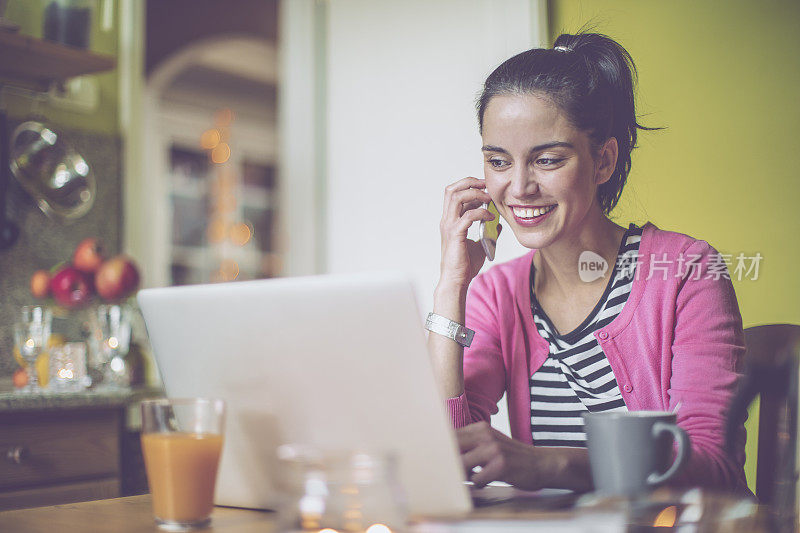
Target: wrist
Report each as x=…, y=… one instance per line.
x=448, y=291
x=569, y=469
x=450, y=303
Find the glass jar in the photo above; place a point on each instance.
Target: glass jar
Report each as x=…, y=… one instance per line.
x=353, y=491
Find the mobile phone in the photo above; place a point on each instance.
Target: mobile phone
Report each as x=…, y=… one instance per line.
x=489, y=233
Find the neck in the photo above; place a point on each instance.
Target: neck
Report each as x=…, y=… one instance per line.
x=557, y=264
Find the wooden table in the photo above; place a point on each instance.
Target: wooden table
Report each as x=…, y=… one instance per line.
x=134, y=515
x=122, y=515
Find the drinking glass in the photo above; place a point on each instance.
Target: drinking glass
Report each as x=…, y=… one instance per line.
x=181, y=443
x=31, y=334
x=347, y=491
x=110, y=342
x=58, y=178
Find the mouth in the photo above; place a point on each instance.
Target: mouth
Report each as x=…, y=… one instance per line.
x=531, y=215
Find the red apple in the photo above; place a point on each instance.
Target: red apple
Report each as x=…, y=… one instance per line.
x=71, y=288
x=40, y=284
x=116, y=278
x=88, y=256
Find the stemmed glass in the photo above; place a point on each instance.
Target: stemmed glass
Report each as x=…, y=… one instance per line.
x=112, y=336
x=31, y=334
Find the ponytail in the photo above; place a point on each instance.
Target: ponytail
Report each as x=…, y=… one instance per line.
x=591, y=78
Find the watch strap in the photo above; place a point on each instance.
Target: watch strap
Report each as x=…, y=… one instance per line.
x=452, y=330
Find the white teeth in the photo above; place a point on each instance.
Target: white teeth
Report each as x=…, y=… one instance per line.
x=528, y=212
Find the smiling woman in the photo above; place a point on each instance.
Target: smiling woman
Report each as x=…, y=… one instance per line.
x=656, y=327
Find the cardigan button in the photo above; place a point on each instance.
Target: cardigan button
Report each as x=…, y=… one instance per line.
x=603, y=335
x=627, y=388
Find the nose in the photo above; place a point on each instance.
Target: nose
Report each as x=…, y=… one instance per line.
x=523, y=182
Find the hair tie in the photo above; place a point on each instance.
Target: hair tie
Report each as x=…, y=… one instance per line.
x=562, y=49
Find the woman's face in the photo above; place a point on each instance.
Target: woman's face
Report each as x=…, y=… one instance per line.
x=539, y=170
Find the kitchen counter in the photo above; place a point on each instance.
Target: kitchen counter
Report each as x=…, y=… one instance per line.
x=15, y=401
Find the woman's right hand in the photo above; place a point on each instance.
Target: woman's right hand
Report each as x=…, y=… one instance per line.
x=462, y=258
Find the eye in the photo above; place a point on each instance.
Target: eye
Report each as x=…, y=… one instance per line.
x=497, y=163
x=548, y=161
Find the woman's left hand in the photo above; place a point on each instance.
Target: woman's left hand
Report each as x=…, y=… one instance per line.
x=501, y=458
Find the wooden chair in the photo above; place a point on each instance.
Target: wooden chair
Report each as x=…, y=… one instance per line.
x=771, y=367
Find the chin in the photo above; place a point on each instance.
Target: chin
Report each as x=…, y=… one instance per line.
x=533, y=239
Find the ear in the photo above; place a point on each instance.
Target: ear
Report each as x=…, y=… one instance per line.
x=607, y=161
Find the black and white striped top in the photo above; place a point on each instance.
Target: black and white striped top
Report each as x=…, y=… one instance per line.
x=576, y=376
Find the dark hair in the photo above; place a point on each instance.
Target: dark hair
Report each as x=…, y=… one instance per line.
x=591, y=78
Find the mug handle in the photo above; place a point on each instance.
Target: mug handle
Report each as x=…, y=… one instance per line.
x=680, y=436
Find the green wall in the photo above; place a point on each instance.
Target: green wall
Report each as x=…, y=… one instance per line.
x=722, y=76
x=29, y=15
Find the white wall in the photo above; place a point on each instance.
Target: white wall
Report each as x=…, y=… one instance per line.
x=402, y=79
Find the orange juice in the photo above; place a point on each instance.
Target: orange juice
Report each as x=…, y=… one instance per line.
x=181, y=471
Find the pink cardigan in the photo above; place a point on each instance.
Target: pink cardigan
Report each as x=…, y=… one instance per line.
x=677, y=340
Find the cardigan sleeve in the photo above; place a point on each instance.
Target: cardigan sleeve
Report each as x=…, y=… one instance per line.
x=484, y=371
x=707, y=351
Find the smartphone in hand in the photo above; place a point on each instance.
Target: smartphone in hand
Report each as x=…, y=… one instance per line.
x=489, y=233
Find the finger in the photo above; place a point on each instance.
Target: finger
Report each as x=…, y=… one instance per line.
x=460, y=185
x=460, y=198
x=472, y=204
x=465, y=183
x=461, y=227
x=499, y=229
x=489, y=472
x=478, y=456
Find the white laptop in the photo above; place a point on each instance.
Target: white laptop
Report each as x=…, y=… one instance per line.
x=335, y=362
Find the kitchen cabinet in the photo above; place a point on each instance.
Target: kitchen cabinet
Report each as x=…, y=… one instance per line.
x=60, y=456
x=64, y=448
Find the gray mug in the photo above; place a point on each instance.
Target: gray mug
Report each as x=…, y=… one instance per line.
x=630, y=451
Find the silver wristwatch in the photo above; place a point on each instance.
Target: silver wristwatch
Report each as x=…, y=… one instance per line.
x=452, y=330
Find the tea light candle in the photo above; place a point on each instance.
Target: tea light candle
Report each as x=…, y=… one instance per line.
x=68, y=367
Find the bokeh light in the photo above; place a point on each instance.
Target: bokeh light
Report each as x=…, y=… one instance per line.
x=667, y=517
x=210, y=139
x=229, y=269
x=240, y=234
x=221, y=153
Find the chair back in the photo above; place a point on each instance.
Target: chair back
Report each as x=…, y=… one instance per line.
x=772, y=365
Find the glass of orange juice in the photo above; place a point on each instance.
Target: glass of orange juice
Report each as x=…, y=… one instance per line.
x=181, y=444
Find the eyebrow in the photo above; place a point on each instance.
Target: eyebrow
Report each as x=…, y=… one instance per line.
x=554, y=144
